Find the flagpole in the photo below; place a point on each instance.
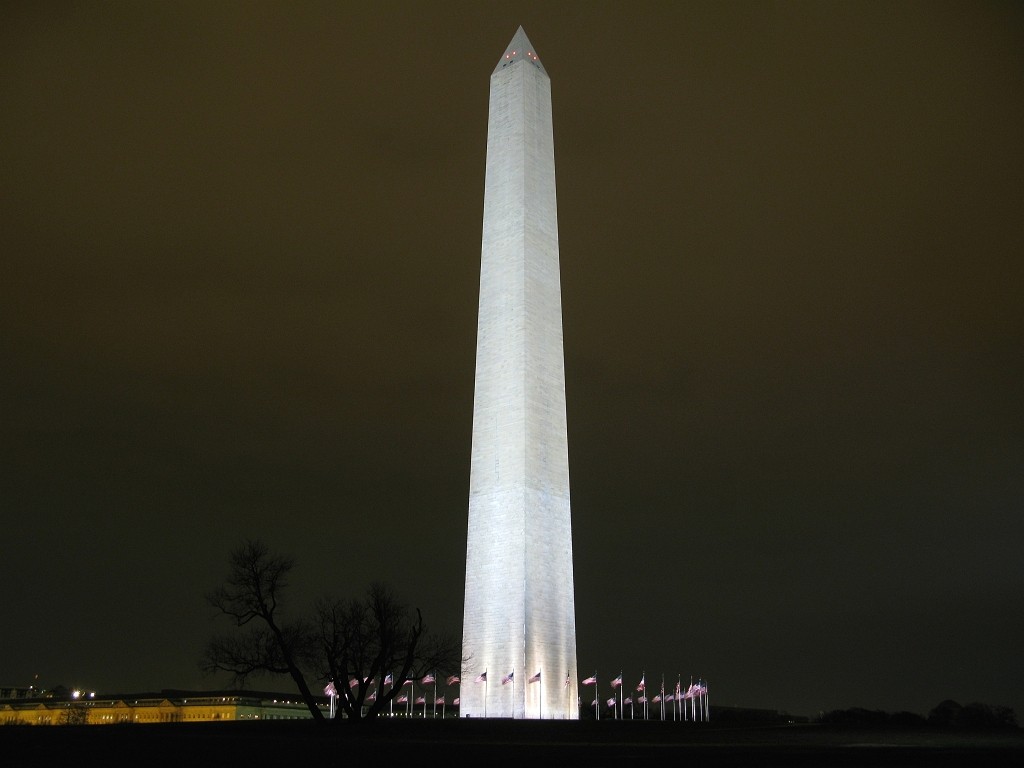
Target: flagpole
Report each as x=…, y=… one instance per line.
x=622, y=713
x=540, y=706
x=643, y=692
x=693, y=704
x=568, y=706
x=679, y=704
x=693, y=707
x=661, y=704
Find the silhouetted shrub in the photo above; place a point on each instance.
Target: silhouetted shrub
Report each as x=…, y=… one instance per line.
x=973, y=716
x=944, y=714
x=1005, y=717
x=907, y=720
x=982, y=716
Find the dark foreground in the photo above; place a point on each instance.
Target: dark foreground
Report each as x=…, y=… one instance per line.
x=489, y=743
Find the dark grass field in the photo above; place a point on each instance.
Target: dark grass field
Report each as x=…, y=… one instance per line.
x=488, y=743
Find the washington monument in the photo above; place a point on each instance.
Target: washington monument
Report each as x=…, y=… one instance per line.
x=519, y=626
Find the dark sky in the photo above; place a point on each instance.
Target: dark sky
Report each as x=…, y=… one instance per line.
x=240, y=257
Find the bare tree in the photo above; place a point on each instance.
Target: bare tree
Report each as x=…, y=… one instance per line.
x=251, y=596
x=369, y=649
x=75, y=714
x=366, y=649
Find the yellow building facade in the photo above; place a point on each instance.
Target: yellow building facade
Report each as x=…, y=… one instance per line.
x=177, y=707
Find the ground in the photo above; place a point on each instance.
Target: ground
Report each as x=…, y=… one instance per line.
x=496, y=742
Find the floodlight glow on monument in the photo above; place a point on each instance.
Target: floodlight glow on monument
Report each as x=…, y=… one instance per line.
x=519, y=625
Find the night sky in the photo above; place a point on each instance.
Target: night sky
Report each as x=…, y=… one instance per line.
x=240, y=258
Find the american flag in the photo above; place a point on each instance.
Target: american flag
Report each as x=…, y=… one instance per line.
x=456, y=701
x=641, y=685
x=481, y=678
x=439, y=700
x=656, y=699
x=508, y=678
x=452, y=679
x=566, y=680
x=534, y=678
x=590, y=680
x=617, y=681
x=388, y=680
x=402, y=699
x=611, y=702
x=427, y=679
x=353, y=682
x=421, y=700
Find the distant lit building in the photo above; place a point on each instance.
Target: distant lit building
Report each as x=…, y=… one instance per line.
x=18, y=693
x=148, y=708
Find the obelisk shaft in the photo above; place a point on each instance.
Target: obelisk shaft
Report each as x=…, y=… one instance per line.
x=519, y=600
